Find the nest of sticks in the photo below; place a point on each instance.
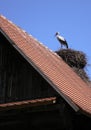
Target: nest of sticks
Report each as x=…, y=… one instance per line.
x=77, y=60
x=82, y=73
x=73, y=58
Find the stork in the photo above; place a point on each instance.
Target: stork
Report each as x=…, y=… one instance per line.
x=61, y=40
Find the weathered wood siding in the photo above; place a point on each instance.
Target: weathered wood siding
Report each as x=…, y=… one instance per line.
x=18, y=79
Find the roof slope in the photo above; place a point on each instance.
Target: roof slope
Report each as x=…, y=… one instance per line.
x=62, y=78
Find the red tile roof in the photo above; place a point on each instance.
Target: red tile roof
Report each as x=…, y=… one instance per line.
x=62, y=78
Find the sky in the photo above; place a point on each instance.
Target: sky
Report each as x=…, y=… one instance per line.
x=43, y=18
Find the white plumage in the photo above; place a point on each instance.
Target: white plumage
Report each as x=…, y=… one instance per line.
x=61, y=40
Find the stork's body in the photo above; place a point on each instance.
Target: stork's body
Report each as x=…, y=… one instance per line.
x=61, y=40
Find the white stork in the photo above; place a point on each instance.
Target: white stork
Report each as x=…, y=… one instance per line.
x=61, y=40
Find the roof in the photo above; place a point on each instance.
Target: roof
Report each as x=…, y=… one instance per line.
x=57, y=73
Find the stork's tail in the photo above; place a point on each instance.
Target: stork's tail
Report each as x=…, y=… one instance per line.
x=66, y=44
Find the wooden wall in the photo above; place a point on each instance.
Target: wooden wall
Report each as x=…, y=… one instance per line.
x=18, y=79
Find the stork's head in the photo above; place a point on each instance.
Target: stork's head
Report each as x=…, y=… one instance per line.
x=57, y=33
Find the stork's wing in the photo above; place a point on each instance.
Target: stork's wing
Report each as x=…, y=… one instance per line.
x=63, y=42
x=61, y=38
x=66, y=44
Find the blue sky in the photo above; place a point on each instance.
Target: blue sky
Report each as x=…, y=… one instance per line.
x=42, y=18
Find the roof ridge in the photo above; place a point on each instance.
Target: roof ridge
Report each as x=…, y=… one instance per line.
x=3, y=16
x=25, y=34
x=19, y=28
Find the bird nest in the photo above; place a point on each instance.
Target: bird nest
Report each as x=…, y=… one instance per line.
x=82, y=74
x=76, y=60
x=73, y=58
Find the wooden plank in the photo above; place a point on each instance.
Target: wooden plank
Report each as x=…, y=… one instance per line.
x=27, y=103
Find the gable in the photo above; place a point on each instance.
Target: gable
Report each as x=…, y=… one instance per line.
x=19, y=80
x=52, y=68
x=29, y=61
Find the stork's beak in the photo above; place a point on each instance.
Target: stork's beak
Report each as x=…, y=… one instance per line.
x=56, y=33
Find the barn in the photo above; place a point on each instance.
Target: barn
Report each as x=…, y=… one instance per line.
x=38, y=90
